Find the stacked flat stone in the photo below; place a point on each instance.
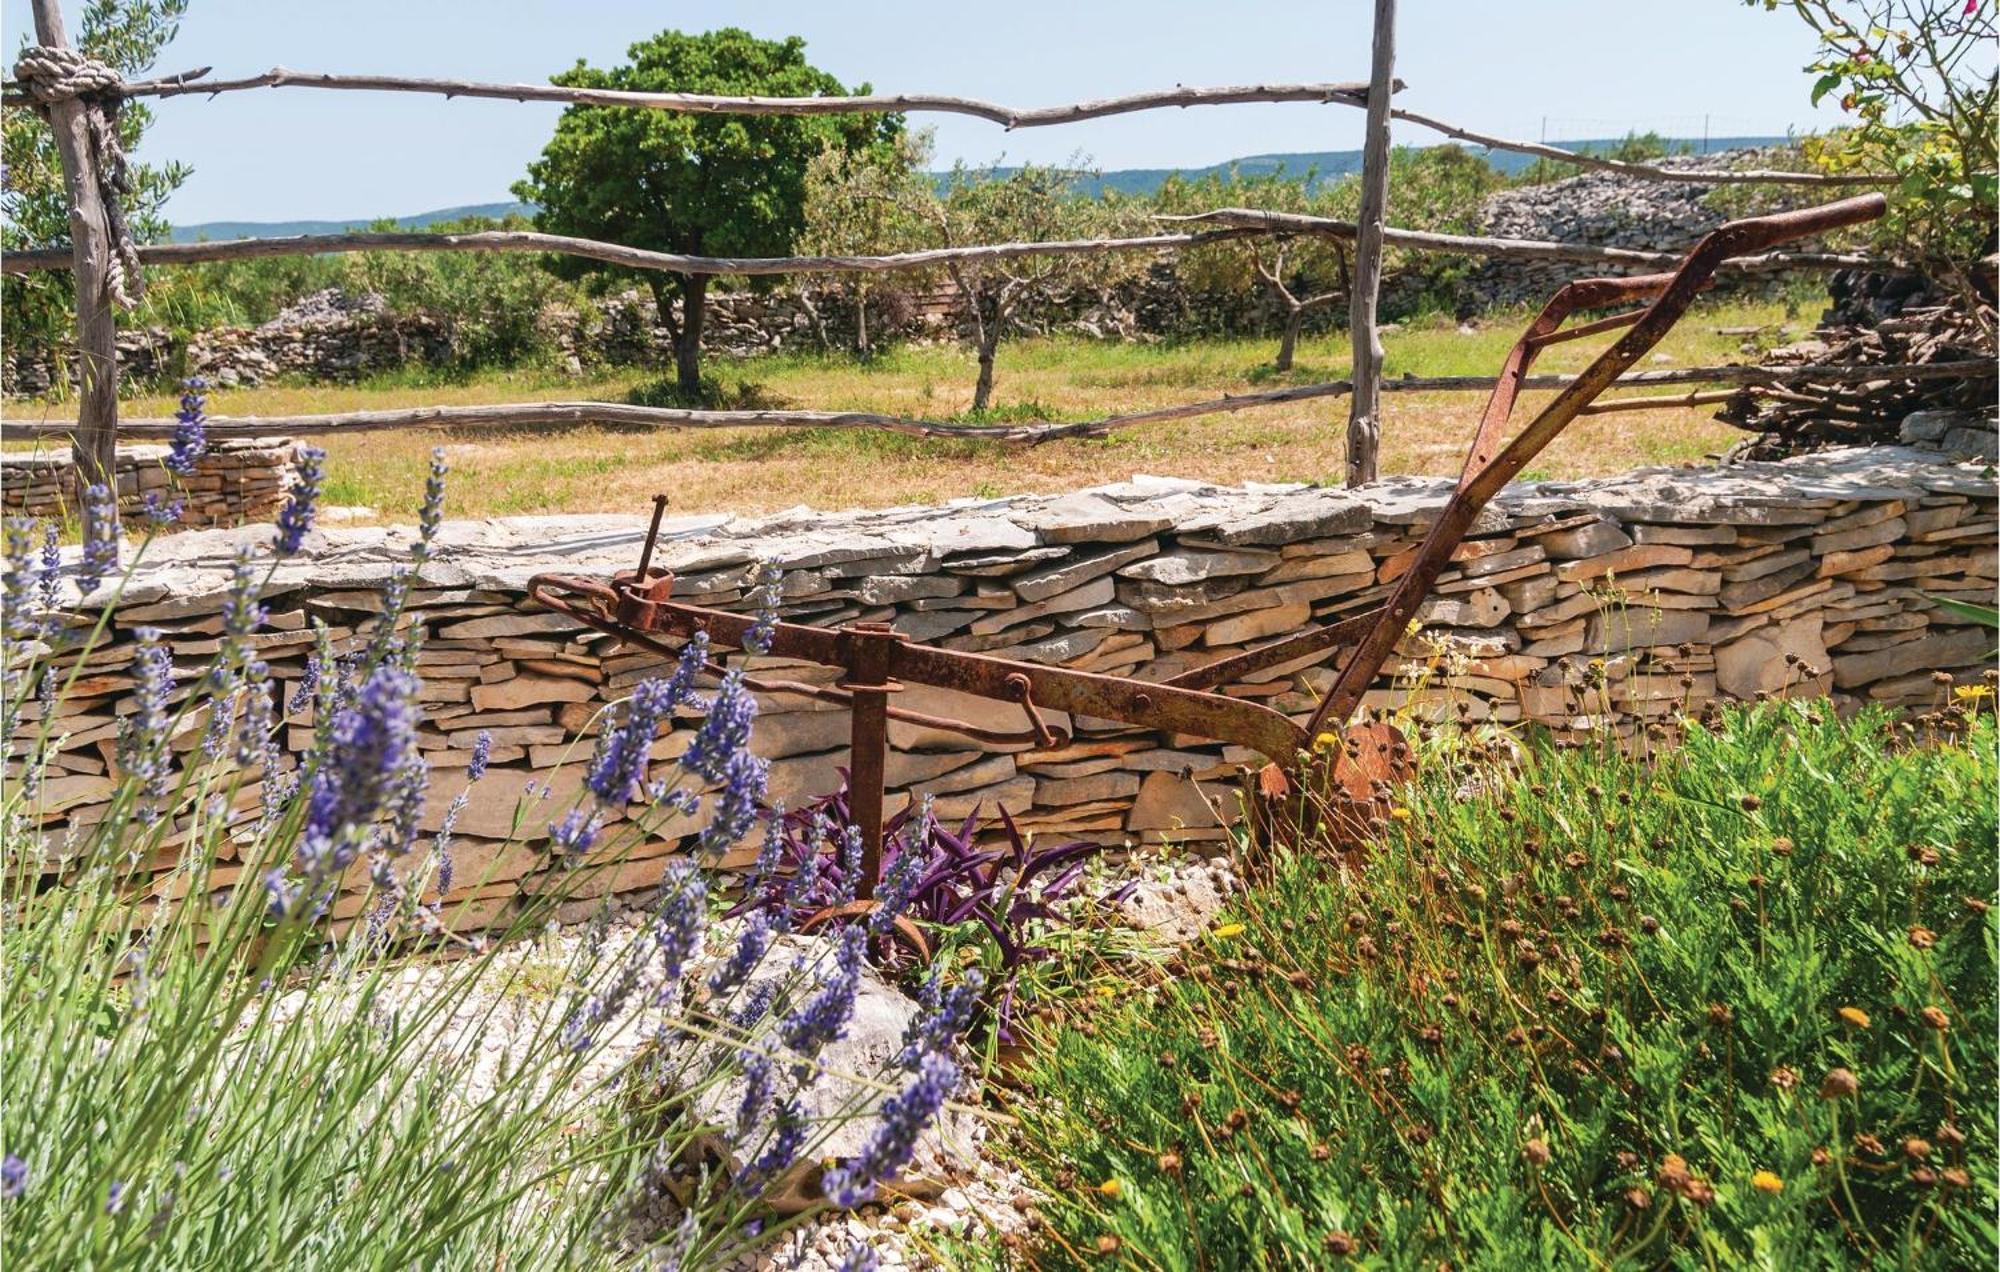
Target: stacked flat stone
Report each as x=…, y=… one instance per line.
x=240, y=479
x=1598, y=605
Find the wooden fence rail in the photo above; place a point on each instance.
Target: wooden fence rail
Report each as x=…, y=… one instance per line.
x=716, y=104
x=540, y=414
x=1237, y=223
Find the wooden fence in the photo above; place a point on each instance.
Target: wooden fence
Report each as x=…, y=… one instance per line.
x=69, y=90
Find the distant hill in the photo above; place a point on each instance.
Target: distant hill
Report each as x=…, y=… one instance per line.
x=281, y=229
x=1326, y=165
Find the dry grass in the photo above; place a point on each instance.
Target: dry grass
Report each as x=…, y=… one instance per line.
x=758, y=470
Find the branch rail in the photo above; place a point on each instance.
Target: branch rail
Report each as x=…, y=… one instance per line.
x=537, y=414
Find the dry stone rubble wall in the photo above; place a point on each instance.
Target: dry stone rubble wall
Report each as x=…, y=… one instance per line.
x=239, y=479
x=1603, y=605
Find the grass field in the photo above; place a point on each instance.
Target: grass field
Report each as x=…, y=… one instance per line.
x=755, y=470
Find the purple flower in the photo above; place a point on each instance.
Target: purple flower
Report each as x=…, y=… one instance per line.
x=764, y=602
x=861, y=1258
x=308, y=685
x=482, y=755
x=295, y=519
x=241, y=614
x=577, y=832
x=744, y=777
x=13, y=1176
x=51, y=566
x=617, y=773
x=898, y=882
x=724, y=732
x=369, y=749
x=221, y=714
x=431, y=515
x=788, y=1136
x=823, y=1018
x=114, y=1201
x=943, y=1013
x=751, y=944
x=142, y=741
x=678, y=926
x=758, y=1087
x=253, y=730
x=18, y=587
x=190, y=441
x=161, y=513
x=904, y=1117
x=100, y=537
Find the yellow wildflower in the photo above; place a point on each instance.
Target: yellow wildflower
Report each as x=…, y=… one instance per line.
x=1972, y=693
x=1854, y=1016
x=1765, y=1181
x=1228, y=930
x=1111, y=1188
x=1326, y=741
x=1400, y=813
x=1104, y=991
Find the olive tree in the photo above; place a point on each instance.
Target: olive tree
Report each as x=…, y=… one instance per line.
x=1030, y=204
x=1301, y=274
x=699, y=184
x=859, y=202
x=128, y=35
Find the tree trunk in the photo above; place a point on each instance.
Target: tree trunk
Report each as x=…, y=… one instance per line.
x=982, y=392
x=687, y=344
x=1295, y=318
x=861, y=346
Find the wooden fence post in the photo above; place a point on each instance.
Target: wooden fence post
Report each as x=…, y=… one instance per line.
x=96, y=441
x=1364, y=412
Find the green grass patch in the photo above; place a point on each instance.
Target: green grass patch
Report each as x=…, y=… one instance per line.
x=1735, y=1007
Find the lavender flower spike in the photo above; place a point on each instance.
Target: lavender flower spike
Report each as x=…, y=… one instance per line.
x=13, y=1176
x=190, y=440
x=823, y=1017
x=904, y=1117
x=431, y=516
x=100, y=538
x=295, y=519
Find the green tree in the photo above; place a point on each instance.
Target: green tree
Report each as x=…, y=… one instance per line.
x=1302, y=274
x=34, y=204
x=1029, y=204
x=719, y=185
x=1918, y=79
x=858, y=203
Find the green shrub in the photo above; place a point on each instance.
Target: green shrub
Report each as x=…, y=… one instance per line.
x=1736, y=1007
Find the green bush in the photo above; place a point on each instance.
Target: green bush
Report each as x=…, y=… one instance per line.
x=1736, y=1007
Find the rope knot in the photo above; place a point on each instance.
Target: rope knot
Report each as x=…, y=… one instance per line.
x=62, y=74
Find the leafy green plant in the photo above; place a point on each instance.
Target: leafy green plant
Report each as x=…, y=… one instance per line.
x=721, y=185
x=1734, y=1006
x=248, y=1019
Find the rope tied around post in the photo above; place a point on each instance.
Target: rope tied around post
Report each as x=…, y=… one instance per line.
x=50, y=75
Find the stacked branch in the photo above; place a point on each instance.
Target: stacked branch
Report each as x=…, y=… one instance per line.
x=1855, y=385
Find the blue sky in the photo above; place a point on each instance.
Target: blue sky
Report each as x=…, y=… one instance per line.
x=1587, y=67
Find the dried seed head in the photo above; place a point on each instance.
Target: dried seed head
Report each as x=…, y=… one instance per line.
x=1320, y=1152
x=1838, y=1083
x=1916, y=1149
x=1339, y=1244
x=1935, y=1018
x=1719, y=1014
x=1537, y=1151
x=1648, y=924
x=1782, y=846
x=1108, y=1244
x=1922, y=938
x=1948, y=1133
x=1869, y=1144
x=1750, y=803
x=1170, y=1163
x=1637, y=1198
x=1785, y=1078
x=1923, y=1177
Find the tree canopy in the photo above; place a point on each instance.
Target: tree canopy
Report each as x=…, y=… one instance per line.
x=723, y=185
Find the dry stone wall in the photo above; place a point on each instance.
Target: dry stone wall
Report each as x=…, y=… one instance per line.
x=239, y=479
x=1601, y=605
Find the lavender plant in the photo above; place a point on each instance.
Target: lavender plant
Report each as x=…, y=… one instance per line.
x=1013, y=895
x=227, y=1041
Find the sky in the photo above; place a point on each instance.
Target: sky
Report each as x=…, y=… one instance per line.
x=1514, y=68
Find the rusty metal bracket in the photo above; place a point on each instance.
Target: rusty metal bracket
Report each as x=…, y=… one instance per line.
x=1345, y=775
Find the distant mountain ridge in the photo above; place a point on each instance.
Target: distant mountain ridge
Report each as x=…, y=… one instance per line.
x=1325, y=165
